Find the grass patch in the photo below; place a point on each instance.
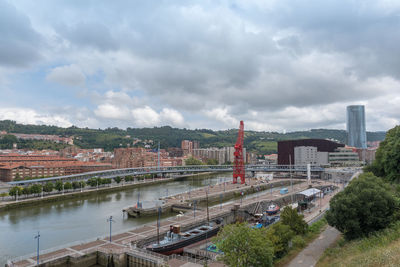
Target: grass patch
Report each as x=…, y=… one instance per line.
x=379, y=249
x=300, y=242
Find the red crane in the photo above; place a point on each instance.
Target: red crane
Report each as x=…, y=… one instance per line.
x=238, y=164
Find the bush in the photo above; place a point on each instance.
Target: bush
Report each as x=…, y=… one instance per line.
x=298, y=242
x=117, y=179
x=294, y=220
x=243, y=246
x=280, y=234
x=128, y=178
x=365, y=206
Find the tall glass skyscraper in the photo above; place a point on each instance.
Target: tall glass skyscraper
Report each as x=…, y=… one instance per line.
x=356, y=133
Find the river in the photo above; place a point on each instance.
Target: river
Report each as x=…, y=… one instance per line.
x=67, y=221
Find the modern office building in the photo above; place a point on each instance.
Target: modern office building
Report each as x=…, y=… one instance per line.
x=304, y=155
x=356, y=132
x=286, y=148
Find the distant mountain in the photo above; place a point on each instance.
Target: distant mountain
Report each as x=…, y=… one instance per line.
x=110, y=138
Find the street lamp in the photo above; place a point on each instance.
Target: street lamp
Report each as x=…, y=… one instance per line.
x=38, y=238
x=111, y=221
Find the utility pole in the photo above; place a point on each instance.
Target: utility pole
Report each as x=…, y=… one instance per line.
x=158, y=225
x=290, y=170
x=158, y=156
x=110, y=220
x=208, y=215
x=38, y=242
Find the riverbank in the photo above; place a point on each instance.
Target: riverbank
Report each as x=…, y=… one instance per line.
x=6, y=206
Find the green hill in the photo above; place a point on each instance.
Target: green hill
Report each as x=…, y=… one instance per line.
x=110, y=138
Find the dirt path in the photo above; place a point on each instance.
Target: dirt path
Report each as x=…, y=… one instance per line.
x=310, y=255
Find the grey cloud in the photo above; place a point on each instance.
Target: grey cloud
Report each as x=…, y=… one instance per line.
x=89, y=34
x=20, y=44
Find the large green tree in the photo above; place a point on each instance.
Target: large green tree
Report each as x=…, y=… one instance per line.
x=280, y=235
x=243, y=246
x=387, y=160
x=367, y=204
x=294, y=220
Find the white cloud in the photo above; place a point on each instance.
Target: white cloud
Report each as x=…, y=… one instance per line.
x=145, y=117
x=30, y=116
x=110, y=111
x=70, y=75
x=171, y=117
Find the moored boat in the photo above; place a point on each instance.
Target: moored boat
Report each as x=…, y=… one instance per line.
x=273, y=209
x=175, y=241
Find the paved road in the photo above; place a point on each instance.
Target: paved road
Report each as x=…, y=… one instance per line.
x=310, y=255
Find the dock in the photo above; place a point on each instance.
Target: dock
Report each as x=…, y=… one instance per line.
x=124, y=246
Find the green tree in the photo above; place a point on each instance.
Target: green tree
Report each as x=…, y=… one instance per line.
x=193, y=161
x=36, y=189
x=48, y=187
x=387, y=160
x=243, y=246
x=26, y=190
x=117, y=179
x=294, y=220
x=76, y=185
x=67, y=186
x=15, y=190
x=280, y=234
x=366, y=205
x=59, y=186
x=212, y=162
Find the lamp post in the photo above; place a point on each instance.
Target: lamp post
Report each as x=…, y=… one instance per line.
x=111, y=221
x=38, y=243
x=63, y=188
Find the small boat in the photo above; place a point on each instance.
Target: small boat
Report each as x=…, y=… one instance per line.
x=273, y=209
x=175, y=241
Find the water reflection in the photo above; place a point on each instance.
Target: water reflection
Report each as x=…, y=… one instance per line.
x=70, y=220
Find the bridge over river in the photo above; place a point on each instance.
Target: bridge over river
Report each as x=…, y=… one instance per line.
x=172, y=170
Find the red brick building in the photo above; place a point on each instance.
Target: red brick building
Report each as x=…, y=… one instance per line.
x=33, y=166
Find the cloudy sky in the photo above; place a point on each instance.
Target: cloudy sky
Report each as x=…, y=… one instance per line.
x=279, y=65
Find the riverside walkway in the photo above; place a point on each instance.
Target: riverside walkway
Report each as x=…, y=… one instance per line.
x=125, y=242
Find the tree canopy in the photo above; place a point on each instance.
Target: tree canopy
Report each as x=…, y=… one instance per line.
x=294, y=220
x=243, y=246
x=387, y=160
x=366, y=205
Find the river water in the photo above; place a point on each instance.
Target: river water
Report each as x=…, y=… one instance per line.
x=66, y=221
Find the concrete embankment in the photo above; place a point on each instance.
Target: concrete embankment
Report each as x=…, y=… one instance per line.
x=93, y=191
x=184, y=201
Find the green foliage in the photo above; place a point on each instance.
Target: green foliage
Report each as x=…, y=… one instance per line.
x=3, y=194
x=243, y=246
x=48, y=187
x=36, y=188
x=110, y=138
x=387, y=160
x=298, y=242
x=26, y=191
x=117, y=179
x=15, y=190
x=280, y=235
x=76, y=185
x=128, y=178
x=67, y=186
x=294, y=220
x=366, y=205
x=59, y=185
x=193, y=161
x=212, y=162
